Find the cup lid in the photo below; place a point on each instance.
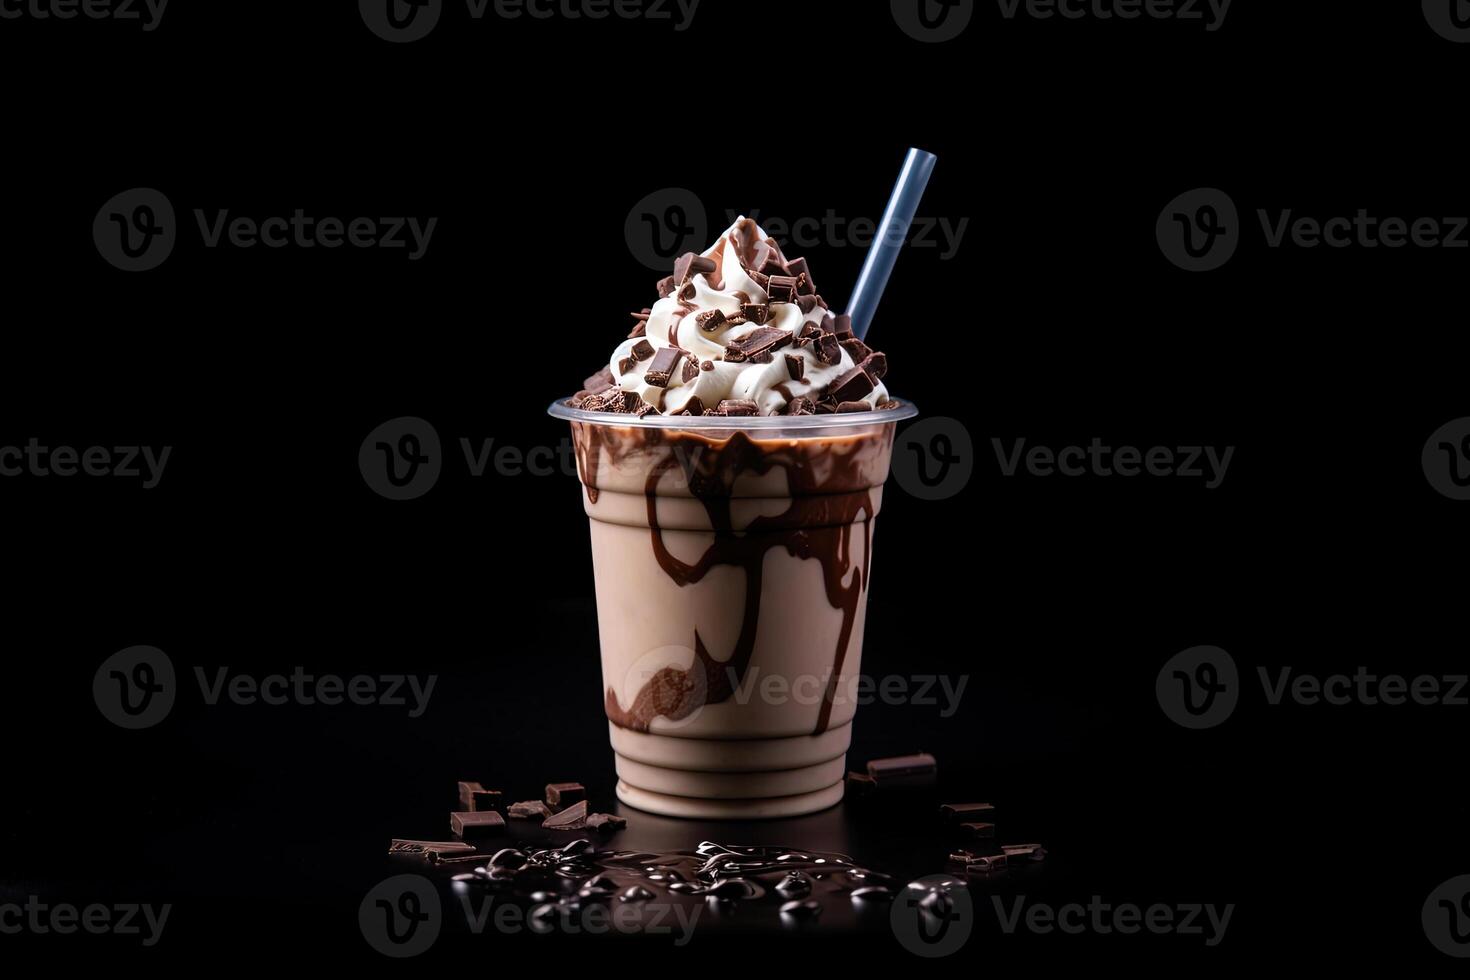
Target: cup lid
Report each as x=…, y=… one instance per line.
x=902, y=410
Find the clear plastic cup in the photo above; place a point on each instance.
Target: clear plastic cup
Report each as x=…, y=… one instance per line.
x=732, y=558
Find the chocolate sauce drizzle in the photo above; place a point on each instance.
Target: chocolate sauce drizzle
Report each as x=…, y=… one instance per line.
x=818, y=525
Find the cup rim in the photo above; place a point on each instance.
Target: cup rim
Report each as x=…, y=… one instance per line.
x=905, y=410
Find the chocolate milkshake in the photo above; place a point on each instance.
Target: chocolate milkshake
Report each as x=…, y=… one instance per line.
x=733, y=455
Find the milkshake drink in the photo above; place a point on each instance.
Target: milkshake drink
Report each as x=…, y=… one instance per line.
x=732, y=457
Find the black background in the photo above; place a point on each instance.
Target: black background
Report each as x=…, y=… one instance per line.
x=1058, y=320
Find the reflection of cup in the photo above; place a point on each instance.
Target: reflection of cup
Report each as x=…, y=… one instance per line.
x=732, y=560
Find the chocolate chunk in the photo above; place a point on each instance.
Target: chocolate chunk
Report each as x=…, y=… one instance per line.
x=529, y=810
x=573, y=817
x=605, y=822
x=851, y=386
x=1024, y=852
x=762, y=340
x=875, y=364
x=737, y=407
x=707, y=365
x=955, y=812
x=978, y=829
x=473, y=796
x=692, y=407
x=646, y=409
x=858, y=783
x=642, y=350
x=806, y=302
x=476, y=824
x=617, y=401
x=691, y=370
x=666, y=287
x=844, y=408
x=399, y=846
x=690, y=265
x=757, y=313
x=985, y=864
x=843, y=327
x=797, y=268
x=829, y=325
x=559, y=795
x=763, y=357
x=661, y=371
x=710, y=320
x=782, y=289
x=626, y=365
x=856, y=349
x=599, y=382
x=639, y=329
x=904, y=770
x=827, y=350
x=643, y=314
x=796, y=367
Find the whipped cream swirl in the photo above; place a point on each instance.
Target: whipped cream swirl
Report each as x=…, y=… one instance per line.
x=676, y=321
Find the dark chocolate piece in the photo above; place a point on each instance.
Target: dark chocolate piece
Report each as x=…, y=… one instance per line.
x=846, y=408
x=904, y=770
x=829, y=325
x=626, y=364
x=573, y=817
x=985, y=864
x=691, y=370
x=826, y=349
x=559, y=795
x=796, y=367
x=757, y=313
x=639, y=329
x=707, y=365
x=955, y=812
x=642, y=350
x=476, y=824
x=666, y=287
x=782, y=289
x=762, y=340
x=710, y=320
x=806, y=302
x=1024, y=852
x=856, y=349
x=851, y=386
x=660, y=373
x=797, y=267
x=843, y=326
x=690, y=265
x=605, y=822
x=978, y=829
x=399, y=846
x=737, y=407
x=875, y=364
x=693, y=406
x=529, y=810
x=599, y=382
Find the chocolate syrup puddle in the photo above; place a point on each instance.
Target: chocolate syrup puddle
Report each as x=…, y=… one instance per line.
x=818, y=524
x=559, y=881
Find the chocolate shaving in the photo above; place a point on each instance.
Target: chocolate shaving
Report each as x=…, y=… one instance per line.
x=690, y=265
x=737, y=407
x=661, y=371
x=762, y=340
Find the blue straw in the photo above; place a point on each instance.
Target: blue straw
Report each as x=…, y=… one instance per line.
x=893, y=231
